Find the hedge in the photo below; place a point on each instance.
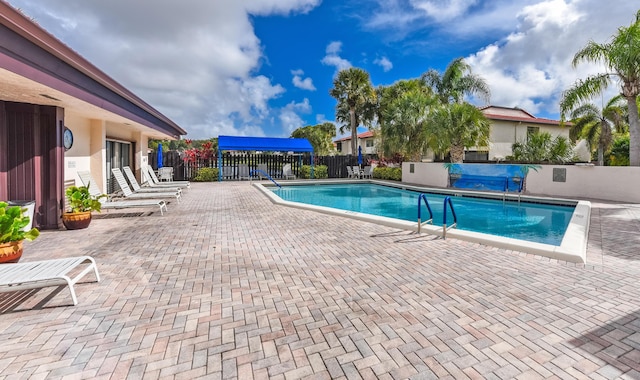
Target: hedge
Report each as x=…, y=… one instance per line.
x=319, y=172
x=206, y=175
x=394, y=174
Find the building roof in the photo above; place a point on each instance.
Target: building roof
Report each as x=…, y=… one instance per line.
x=268, y=144
x=362, y=135
x=37, y=68
x=514, y=114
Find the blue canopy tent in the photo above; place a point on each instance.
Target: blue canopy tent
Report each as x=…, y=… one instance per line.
x=267, y=144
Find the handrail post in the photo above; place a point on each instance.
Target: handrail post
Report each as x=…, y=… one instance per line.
x=447, y=200
x=426, y=202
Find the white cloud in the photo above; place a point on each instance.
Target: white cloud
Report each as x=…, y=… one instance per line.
x=194, y=61
x=531, y=67
x=443, y=10
x=384, y=62
x=305, y=84
x=332, y=58
x=289, y=118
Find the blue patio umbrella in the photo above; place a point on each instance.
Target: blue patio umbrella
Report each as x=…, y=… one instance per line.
x=360, y=155
x=159, y=156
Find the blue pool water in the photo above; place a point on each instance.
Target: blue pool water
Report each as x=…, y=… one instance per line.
x=542, y=223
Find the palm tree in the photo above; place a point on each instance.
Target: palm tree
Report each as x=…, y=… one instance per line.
x=406, y=123
x=456, y=81
x=595, y=125
x=353, y=90
x=621, y=56
x=399, y=130
x=456, y=126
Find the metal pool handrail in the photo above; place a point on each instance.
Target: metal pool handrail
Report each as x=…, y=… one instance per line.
x=447, y=201
x=251, y=173
x=426, y=202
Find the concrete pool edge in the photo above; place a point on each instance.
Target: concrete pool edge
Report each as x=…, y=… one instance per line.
x=572, y=249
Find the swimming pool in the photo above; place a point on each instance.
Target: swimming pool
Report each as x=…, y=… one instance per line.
x=542, y=226
x=541, y=223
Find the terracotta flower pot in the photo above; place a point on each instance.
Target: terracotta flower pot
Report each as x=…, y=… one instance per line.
x=76, y=220
x=10, y=252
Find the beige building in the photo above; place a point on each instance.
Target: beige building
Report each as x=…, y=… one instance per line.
x=510, y=125
x=366, y=140
x=60, y=114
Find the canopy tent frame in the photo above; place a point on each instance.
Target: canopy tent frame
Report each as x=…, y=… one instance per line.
x=267, y=144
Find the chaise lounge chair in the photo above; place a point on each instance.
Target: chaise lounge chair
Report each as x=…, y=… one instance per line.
x=153, y=181
x=129, y=194
x=138, y=189
x=87, y=180
x=287, y=173
x=42, y=274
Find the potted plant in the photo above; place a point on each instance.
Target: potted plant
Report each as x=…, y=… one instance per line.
x=80, y=203
x=12, y=232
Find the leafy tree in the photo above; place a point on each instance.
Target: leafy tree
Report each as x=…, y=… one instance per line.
x=406, y=121
x=619, y=155
x=621, y=56
x=353, y=90
x=399, y=131
x=542, y=147
x=320, y=136
x=595, y=125
x=456, y=126
x=456, y=81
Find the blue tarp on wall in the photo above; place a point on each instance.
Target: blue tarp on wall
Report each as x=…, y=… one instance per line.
x=268, y=144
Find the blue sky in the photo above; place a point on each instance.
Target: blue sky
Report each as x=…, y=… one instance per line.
x=265, y=67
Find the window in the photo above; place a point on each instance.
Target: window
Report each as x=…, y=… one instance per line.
x=119, y=154
x=532, y=130
x=339, y=146
x=474, y=155
x=368, y=143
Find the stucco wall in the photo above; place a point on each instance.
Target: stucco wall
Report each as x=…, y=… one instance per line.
x=619, y=184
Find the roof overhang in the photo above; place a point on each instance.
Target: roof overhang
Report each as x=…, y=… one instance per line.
x=37, y=68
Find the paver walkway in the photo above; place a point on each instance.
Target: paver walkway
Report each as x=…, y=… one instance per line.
x=228, y=285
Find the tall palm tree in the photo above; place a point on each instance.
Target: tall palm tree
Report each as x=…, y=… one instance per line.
x=595, y=125
x=353, y=90
x=456, y=126
x=622, y=57
x=456, y=82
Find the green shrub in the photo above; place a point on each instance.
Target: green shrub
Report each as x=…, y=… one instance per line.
x=319, y=171
x=206, y=175
x=394, y=174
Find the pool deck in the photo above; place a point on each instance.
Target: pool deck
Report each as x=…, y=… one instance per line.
x=228, y=285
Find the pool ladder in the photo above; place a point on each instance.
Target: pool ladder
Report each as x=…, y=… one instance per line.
x=264, y=174
x=447, y=202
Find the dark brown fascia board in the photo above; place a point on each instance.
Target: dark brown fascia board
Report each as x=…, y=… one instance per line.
x=23, y=26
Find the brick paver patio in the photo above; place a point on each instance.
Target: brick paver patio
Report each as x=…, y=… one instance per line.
x=228, y=285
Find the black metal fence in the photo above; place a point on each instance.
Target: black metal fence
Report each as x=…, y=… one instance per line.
x=336, y=165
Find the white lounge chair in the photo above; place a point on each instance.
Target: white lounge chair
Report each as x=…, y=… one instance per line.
x=165, y=174
x=42, y=274
x=87, y=180
x=367, y=172
x=287, y=173
x=129, y=194
x=349, y=171
x=153, y=181
x=138, y=189
x=243, y=172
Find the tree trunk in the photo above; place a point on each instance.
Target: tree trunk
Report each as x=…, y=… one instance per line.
x=600, y=155
x=457, y=153
x=354, y=131
x=634, y=132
